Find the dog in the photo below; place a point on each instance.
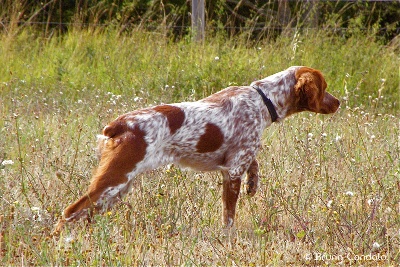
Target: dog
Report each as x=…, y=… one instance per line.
x=221, y=132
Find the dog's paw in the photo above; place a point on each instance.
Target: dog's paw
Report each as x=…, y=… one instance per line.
x=58, y=227
x=250, y=188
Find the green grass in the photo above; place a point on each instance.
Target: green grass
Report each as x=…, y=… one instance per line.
x=330, y=184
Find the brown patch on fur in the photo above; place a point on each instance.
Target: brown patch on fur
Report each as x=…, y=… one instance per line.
x=211, y=140
x=174, y=115
x=223, y=98
x=223, y=95
x=119, y=157
x=115, y=128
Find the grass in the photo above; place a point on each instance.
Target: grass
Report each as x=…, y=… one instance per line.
x=330, y=187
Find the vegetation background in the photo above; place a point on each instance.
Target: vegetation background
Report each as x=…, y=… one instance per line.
x=330, y=188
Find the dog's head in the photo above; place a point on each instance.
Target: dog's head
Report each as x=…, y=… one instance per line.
x=310, y=92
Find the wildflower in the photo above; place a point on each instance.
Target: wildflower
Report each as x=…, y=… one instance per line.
x=373, y=201
x=216, y=58
x=69, y=239
x=37, y=209
x=7, y=162
x=329, y=203
x=376, y=245
x=349, y=194
x=310, y=135
x=324, y=135
x=338, y=138
x=388, y=210
x=37, y=216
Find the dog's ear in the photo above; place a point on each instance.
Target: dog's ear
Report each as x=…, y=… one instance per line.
x=305, y=83
x=306, y=89
x=299, y=85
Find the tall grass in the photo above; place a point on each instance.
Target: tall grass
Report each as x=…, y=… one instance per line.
x=330, y=187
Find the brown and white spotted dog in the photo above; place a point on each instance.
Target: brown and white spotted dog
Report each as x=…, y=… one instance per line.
x=220, y=132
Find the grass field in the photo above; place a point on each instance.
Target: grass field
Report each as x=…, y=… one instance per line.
x=330, y=188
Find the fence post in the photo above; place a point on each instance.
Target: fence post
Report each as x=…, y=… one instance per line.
x=198, y=19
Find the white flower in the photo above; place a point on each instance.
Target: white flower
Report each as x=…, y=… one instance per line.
x=329, y=203
x=388, y=210
x=69, y=239
x=35, y=209
x=310, y=135
x=324, y=135
x=7, y=162
x=373, y=201
x=37, y=216
x=349, y=194
x=376, y=245
x=338, y=138
x=216, y=58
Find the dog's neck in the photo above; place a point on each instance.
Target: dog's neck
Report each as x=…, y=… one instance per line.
x=279, y=89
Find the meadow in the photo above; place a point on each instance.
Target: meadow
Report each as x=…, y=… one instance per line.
x=330, y=188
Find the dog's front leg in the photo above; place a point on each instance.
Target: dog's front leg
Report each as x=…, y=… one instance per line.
x=230, y=194
x=251, y=182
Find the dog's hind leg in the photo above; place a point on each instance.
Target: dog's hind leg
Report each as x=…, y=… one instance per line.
x=113, y=178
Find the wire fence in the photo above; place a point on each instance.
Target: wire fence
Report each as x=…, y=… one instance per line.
x=187, y=27
x=256, y=27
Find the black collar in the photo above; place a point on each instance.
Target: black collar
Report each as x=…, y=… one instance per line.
x=268, y=103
